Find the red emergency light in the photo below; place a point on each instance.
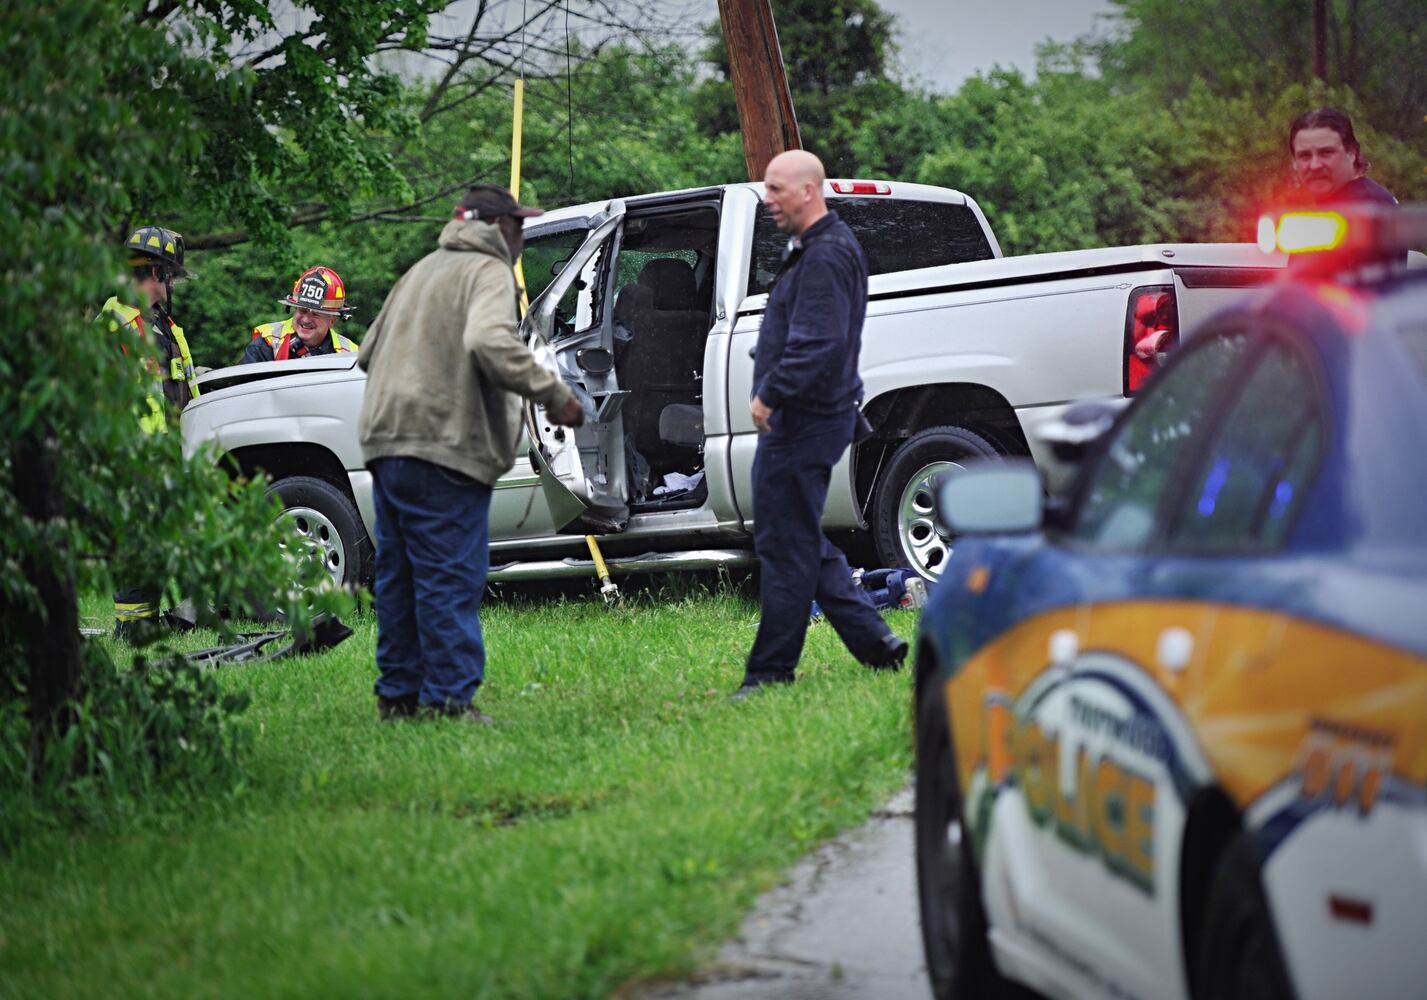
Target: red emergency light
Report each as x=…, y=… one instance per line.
x=1345, y=236
x=1302, y=232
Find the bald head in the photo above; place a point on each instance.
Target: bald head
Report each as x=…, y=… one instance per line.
x=794, y=195
x=799, y=165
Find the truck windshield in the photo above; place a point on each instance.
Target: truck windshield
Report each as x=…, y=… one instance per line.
x=897, y=234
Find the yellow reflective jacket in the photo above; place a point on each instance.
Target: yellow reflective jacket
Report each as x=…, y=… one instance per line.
x=180, y=370
x=283, y=343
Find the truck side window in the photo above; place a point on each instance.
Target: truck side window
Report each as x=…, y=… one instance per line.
x=896, y=234
x=541, y=259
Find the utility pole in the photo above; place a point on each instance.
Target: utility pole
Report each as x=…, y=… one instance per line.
x=760, y=84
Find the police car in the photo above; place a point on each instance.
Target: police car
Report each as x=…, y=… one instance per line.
x=1172, y=731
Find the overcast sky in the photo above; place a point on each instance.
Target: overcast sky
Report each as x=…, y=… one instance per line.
x=941, y=42
x=945, y=41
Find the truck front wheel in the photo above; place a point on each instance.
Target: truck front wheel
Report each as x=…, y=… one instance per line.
x=324, y=518
x=904, y=521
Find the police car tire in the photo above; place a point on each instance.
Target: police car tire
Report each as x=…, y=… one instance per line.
x=924, y=449
x=1238, y=956
x=958, y=957
x=336, y=508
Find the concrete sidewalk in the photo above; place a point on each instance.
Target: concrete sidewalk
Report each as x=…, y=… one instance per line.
x=844, y=927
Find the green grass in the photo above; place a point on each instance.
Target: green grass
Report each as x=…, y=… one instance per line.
x=614, y=827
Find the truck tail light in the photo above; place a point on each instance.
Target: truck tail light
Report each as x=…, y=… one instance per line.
x=1151, y=333
x=861, y=187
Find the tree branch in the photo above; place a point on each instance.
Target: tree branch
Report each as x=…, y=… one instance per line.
x=160, y=11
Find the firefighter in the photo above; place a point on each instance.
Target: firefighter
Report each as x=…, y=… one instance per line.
x=156, y=256
x=318, y=299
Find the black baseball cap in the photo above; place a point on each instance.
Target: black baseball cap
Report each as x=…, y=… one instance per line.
x=490, y=201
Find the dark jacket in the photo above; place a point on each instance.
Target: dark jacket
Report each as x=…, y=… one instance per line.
x=811, y=335
x=1359, y=189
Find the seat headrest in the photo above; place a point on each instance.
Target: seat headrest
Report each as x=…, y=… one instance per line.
x=682, y=424
x=631, y=301
x=672, y=281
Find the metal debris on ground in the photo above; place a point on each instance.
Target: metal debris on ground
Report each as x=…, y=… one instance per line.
x=326, y=632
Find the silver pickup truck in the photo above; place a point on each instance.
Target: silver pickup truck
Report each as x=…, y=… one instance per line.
x=651, y=306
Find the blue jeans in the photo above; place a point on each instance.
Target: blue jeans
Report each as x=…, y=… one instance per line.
x=433, y=551
x=791, y=471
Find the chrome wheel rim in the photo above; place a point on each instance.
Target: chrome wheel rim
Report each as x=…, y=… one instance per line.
x=925, y=544
x=318, y=538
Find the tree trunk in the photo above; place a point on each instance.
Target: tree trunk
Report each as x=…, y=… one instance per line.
x=50, y=641
x=760, y=83
x=1350, y=68
x=1320, y=40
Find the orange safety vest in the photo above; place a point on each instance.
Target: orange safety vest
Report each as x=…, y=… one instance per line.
x=282, y=338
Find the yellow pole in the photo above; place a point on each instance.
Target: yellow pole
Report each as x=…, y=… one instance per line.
x=608, y=589
x=516, y=126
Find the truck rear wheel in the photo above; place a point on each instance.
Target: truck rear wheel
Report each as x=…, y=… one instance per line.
x=904, y=522
x=325, y=519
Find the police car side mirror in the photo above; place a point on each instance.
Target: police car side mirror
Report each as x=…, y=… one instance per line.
x=993, y=498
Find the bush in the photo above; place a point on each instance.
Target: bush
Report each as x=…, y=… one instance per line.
x=164, y=724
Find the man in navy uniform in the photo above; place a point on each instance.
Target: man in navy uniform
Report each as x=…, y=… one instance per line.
x=805, y=405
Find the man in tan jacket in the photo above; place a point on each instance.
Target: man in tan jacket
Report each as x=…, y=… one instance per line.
x=441, y=417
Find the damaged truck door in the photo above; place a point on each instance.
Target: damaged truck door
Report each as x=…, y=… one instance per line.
x=581, y=469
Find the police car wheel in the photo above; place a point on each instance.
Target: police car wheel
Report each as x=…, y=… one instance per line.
x=905, y=528
x=948, y=886
x=327, y=525
x=1239, y=957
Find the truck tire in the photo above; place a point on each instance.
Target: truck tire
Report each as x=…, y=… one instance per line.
x=325, y=516
x=904, y=522
x=1239, y=956
x=959, y=963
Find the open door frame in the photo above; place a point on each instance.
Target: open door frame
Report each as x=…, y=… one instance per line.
x=581, y=469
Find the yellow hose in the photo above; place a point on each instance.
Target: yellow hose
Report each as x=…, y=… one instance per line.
x=595, y=554
x=609, y=590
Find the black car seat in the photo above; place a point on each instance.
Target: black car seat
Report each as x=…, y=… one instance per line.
x=633, y=303
x=663, y=361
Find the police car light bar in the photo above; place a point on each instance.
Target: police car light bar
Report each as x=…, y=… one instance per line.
x=1302, y=232
x=1360, y=228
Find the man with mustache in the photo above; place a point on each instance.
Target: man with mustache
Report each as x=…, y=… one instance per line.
x=1327, y=161
x=318, y=299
